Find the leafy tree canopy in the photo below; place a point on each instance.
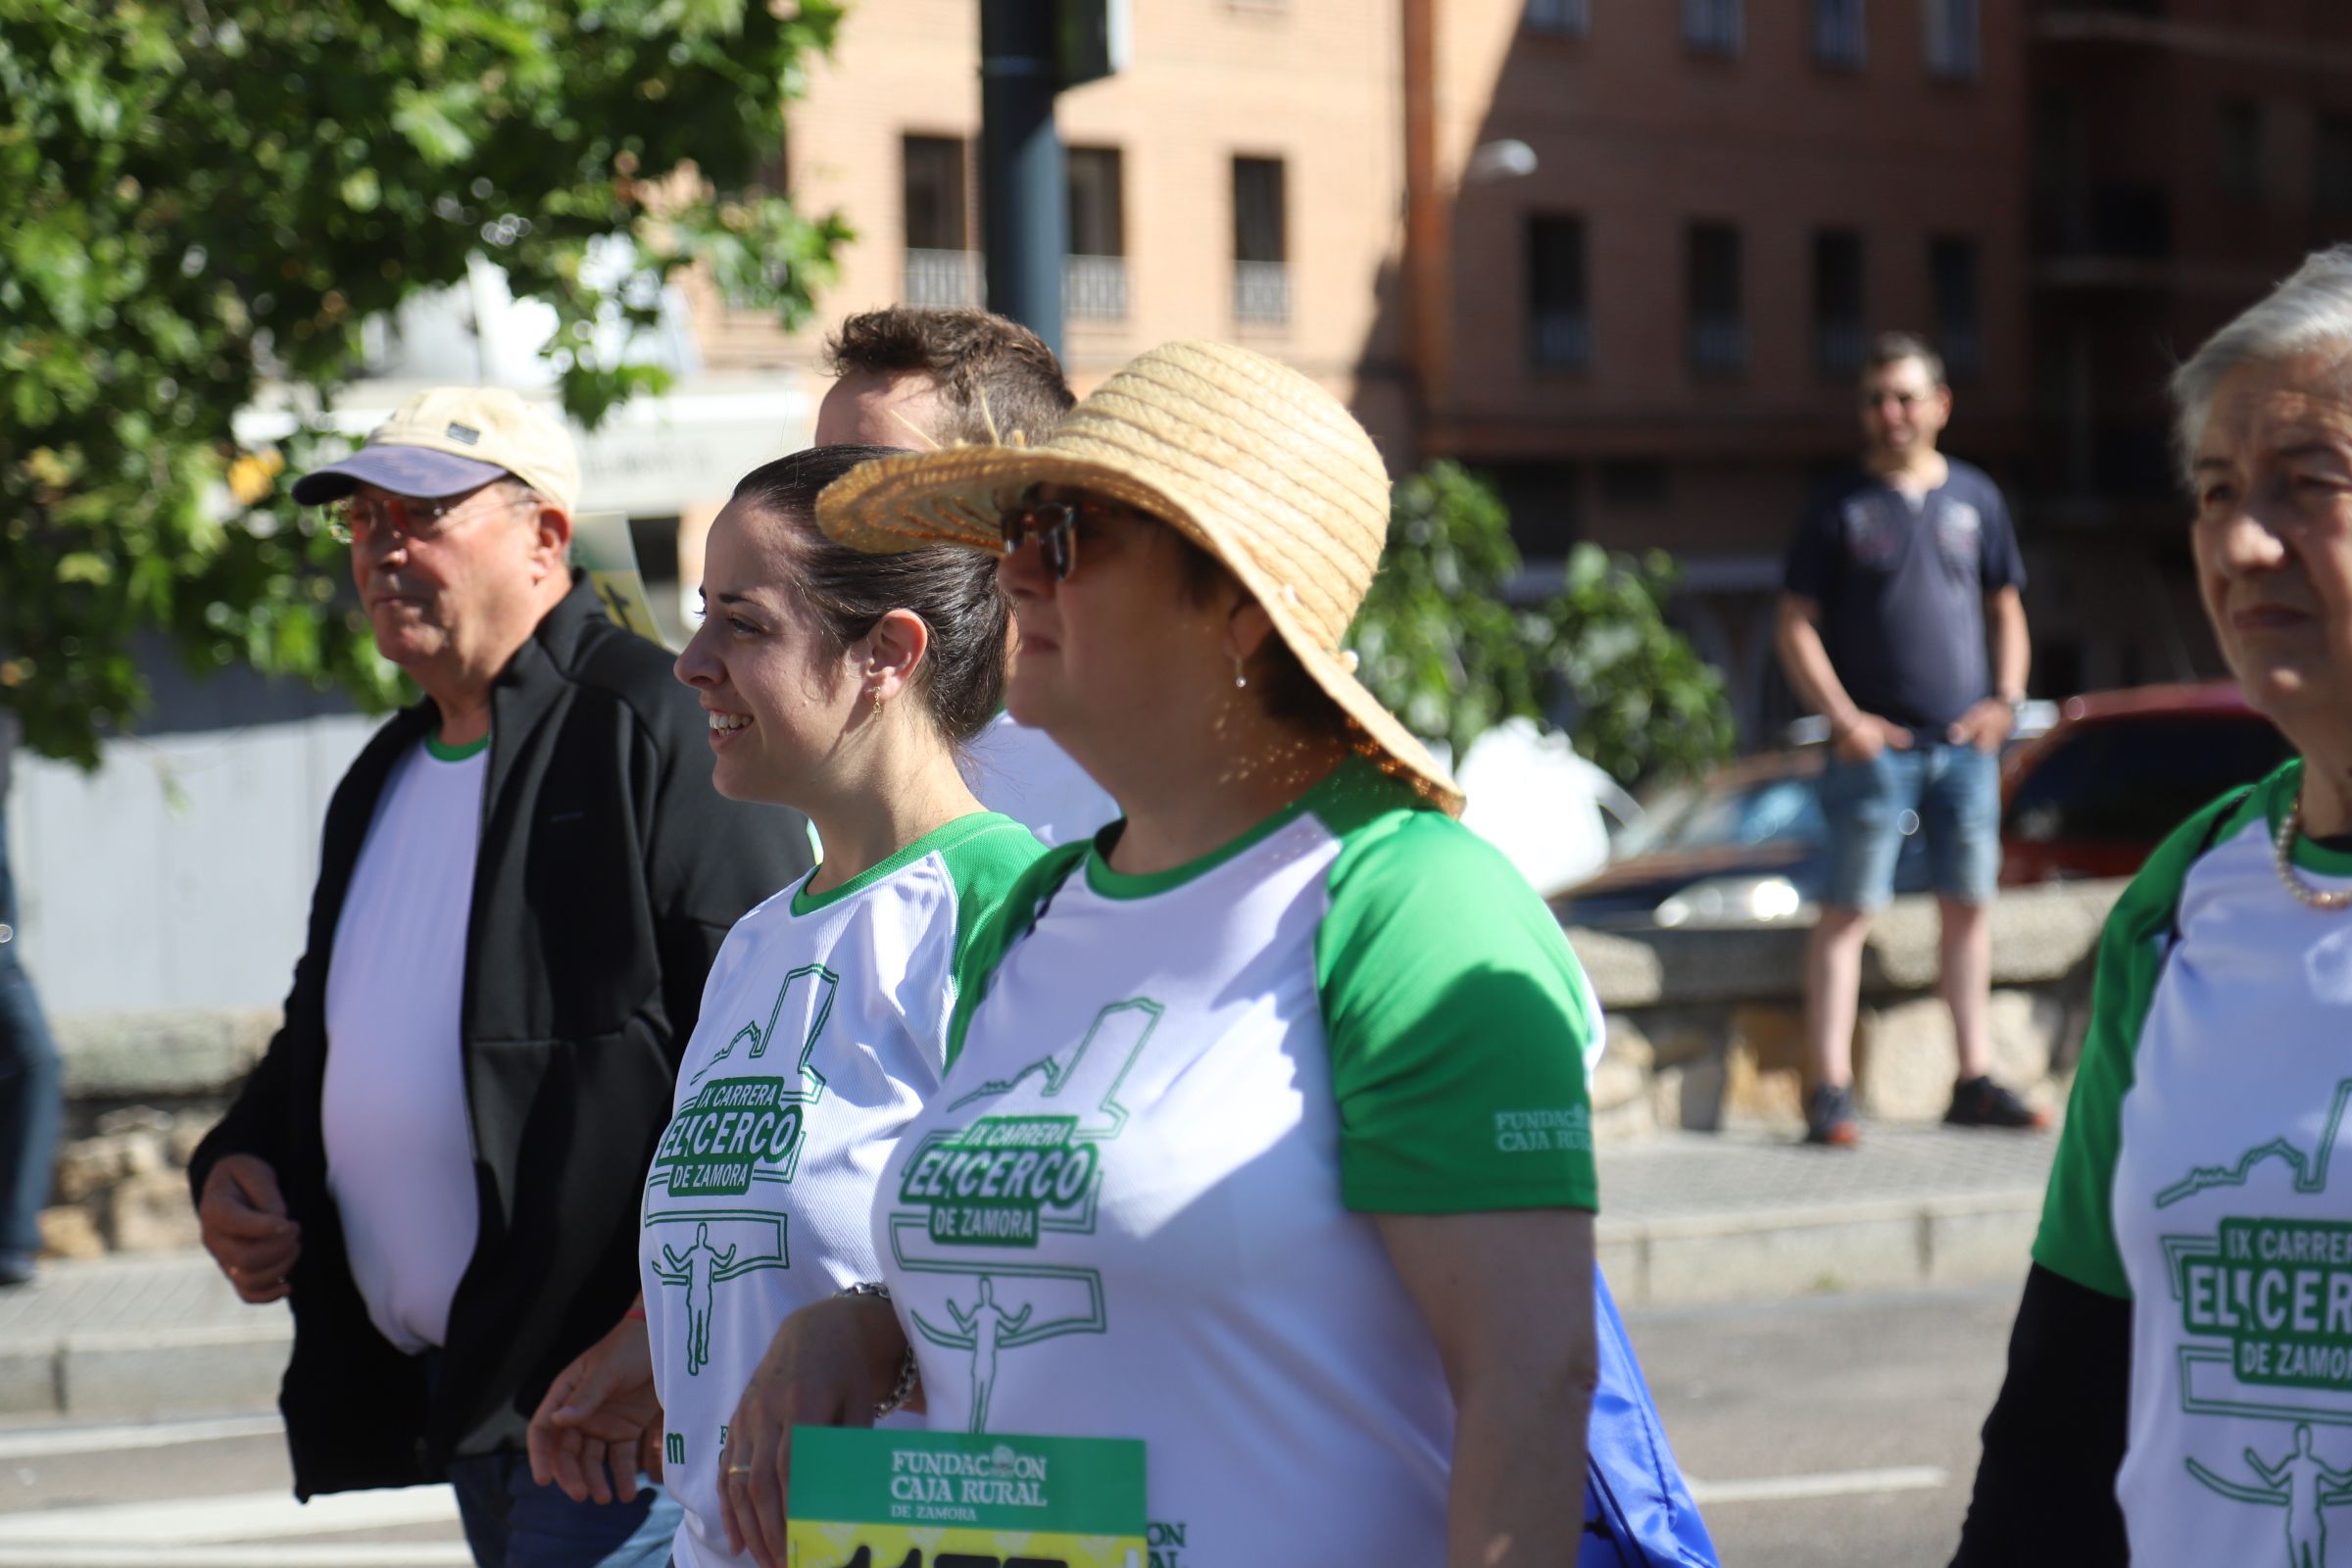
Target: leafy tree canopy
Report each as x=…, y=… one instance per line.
x=1449, y=653
x=200, y=197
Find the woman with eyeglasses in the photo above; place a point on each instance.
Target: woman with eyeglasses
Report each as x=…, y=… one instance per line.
x=2180, y=1380
x=1278, y=1084
x=840, y=683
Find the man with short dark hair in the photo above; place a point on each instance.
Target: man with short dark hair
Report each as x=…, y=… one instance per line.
x=923, y=378
x=523, y=882
x=1895, y=574
x=907, y=375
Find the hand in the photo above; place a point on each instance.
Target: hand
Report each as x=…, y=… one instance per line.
x=1866, y=735
x=829, y=1365
x=243, y=1217
x=601, y=1422
x=1986, y=726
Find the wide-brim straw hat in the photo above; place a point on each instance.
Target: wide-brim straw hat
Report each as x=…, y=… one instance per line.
x=1248, y=458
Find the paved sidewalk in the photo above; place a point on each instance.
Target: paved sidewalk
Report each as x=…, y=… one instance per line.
x=1688, y=1217
x=1693, y=1217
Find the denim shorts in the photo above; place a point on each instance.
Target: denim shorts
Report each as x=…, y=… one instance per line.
x=1956, y=792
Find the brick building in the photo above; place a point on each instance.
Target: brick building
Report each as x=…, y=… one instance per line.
x=1650, y=338
x=1624, y=255
x=2186, y=155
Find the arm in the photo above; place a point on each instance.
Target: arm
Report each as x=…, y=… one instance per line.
x=601, y=1422
x=2045, y=1486
x=2012, y=647
x=829, y=1364
x=1508, y=1297
x=1990, y=724
x=2271, y=1477
x=1805, y=660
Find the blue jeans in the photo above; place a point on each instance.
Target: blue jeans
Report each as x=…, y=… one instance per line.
x=1956, y=793
x=512, y=1522
x=31, y=1103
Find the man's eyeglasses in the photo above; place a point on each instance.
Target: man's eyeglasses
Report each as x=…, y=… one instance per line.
x=1904, y=401
x=357, y=517
x=1053, y=524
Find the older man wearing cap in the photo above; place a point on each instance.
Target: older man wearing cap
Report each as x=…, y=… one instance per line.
x=523, y=882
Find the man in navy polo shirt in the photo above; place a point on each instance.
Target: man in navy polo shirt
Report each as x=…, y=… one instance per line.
x=1898, y=573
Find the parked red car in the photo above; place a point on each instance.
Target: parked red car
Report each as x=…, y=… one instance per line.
x=2120, y=771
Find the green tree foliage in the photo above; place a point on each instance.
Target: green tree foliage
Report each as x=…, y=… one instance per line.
x=1441, y=647
x=202, y=197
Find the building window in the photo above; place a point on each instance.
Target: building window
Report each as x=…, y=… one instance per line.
x=1952, y=48
x=1718, y=326
x=1714, y=26
x=942, y=267
x=2241, y=149
x=1262, y=258
x=1095, y=273
x=1959, y=319
x=1837, y=33
x=1562, y=18
x=2332, y=165
x=1838, y=329
x=1560, y=323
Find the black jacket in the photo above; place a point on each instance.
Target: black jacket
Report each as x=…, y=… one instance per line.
x=607, y=874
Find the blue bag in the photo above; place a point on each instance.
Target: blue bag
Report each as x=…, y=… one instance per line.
x=1637, y=1510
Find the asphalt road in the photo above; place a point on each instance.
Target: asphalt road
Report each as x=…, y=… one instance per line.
x=1825, y=1433
x=1832, y=1432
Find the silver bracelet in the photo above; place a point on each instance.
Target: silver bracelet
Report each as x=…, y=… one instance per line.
x=908, y=1373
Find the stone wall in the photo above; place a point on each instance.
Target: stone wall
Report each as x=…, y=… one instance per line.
x=1705, y=1027
x=1705, y=1033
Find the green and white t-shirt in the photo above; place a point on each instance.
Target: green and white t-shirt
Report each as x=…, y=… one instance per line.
x=823, y=1028
x=1139, y=1205
x=2206, y=1175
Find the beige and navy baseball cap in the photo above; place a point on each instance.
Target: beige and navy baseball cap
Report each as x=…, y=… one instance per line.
x=453, y=439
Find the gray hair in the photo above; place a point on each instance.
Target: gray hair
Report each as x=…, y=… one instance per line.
x=2311, y=312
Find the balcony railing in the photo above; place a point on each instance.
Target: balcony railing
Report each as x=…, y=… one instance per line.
x=1562, y=340
x=1261, y=292
x=945, y=279
x=1838, y=349
x=1963, y=348
x=1719, y=347
x=1564, y=19
x=1094, y=288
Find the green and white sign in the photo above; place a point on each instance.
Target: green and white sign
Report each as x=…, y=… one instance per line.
x=907, y=1498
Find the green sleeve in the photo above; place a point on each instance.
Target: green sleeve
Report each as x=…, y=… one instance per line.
x=1457, y=1019
x=996, y=905
x=2077, y=1238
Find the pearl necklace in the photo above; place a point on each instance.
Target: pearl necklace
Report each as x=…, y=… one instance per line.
x=2282, y=854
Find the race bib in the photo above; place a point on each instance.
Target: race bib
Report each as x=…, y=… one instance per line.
x=950, y=1499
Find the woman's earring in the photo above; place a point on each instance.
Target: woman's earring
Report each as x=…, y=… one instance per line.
x=1239, y=678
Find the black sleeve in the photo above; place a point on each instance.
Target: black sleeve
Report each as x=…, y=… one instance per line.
x=255, y=1122
x=2045, y=1486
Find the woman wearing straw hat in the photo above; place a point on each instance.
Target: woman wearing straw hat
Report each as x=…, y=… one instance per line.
x=1264, y=1137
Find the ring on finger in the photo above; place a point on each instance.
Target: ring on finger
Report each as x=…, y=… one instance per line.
x=737, y=1470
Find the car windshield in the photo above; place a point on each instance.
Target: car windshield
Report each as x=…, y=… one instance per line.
x=1761, y=812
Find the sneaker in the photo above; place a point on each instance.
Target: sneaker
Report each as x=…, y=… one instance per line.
x=1830, y=1118
x=17, y=1268
x=1981, y=1103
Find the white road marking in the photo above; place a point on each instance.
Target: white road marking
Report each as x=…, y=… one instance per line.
x=1831, y=1484
x=209, y=1521
x=40, y=1442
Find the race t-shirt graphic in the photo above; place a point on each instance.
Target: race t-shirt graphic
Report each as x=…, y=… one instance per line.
x=2265, y=1306
x=732, y=1137
x=975, y=1200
